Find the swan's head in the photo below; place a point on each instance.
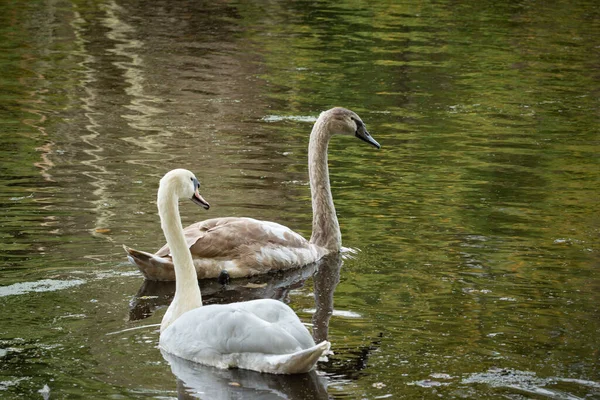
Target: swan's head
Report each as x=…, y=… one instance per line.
x=183, y=184
x=341, y=121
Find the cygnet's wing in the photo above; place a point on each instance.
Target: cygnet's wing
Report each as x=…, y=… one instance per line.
x=229, y=237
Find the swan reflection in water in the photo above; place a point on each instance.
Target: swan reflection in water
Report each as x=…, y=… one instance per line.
x=153, y=295
x=199, y=381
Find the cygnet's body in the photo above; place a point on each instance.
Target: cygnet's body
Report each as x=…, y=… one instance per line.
x=245, y=246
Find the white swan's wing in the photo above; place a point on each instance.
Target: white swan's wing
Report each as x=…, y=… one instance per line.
x=221, y=335
x=229, y=238
x=277, y=313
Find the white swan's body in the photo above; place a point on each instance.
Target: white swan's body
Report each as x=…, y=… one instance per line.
x=246, y=246
x=261, y=335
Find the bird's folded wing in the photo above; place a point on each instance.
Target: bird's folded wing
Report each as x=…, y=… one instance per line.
x=227, y=237
x=231, y=329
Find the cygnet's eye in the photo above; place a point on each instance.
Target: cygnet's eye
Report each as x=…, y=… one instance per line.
x=358, y=123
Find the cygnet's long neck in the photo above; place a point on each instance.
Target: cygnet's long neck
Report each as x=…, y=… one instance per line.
x=187, y=290
x=325, y=227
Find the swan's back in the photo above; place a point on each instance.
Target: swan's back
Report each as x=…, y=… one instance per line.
x=242, y=246
x=224, y=237
x=260, y=334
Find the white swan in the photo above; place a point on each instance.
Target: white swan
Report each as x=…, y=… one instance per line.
x=261, y=335
x=246, y=246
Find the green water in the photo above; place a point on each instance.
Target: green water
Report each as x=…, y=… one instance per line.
x=477, y=222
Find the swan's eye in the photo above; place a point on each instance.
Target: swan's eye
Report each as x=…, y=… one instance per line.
x=358, y=123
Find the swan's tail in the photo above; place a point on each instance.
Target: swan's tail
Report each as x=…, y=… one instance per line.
x=153, y=267
x=299, y=362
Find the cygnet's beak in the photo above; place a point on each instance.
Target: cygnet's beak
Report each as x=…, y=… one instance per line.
x=198, y=199
x=362, y=134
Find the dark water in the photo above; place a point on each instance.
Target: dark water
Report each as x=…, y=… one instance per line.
x=477, y=222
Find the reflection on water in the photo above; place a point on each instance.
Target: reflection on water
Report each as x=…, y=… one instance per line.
x=196, y=381
x=325, y=281
x=477, y=223
x=529, y=383
x=154, y=294
x=45, y=285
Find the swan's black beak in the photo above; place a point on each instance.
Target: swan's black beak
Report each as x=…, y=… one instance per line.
x=198, y=199
x=362, y=134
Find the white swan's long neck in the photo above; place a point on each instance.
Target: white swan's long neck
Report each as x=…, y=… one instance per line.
x=187, y=291
x=325, y=227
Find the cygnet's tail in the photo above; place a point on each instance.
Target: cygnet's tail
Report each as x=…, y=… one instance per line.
x=153, y=267
x=301, y=361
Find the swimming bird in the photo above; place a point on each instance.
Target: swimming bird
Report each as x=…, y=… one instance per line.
x=262, y=335
x=241, y=247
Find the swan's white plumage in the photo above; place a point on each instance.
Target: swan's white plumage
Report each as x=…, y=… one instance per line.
x=246, y=246
x=262, y=335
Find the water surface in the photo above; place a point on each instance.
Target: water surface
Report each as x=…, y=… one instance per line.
x=476, y=224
